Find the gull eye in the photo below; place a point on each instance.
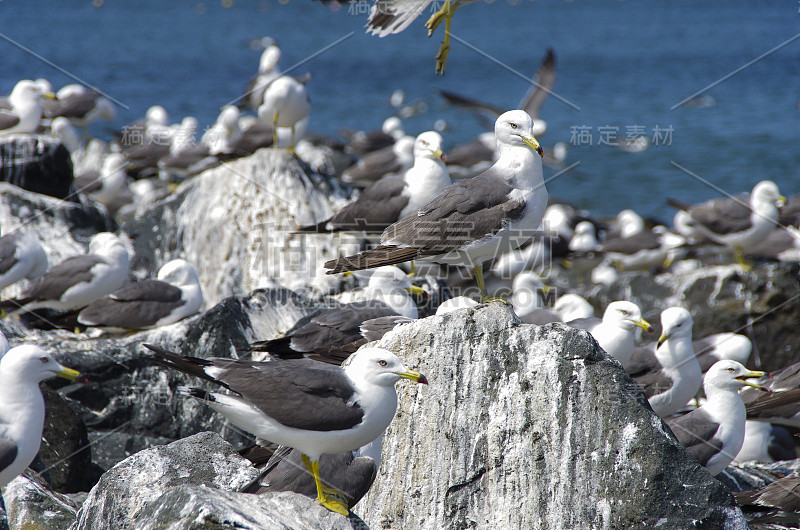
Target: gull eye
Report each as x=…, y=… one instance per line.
x=382, y=362
x=624, y=312
x=513, y=125
x=44, y=360
x=731, y=370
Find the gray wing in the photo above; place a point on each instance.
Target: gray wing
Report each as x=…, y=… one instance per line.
x=696, y=432
x=76, y=105
x=373, y=166
x=376, y=328
x=301, y=393
x=256, y=136
x=645, y=369
x=646, y=240
x=705, y=350
x=772, y=405
x=8, y=251
x=337, y=327
x=723, y=216
x=393, y=16
x=135, y=306
x=285, y=471
x=71, y=271
x=376, y=208
x=783, y=494
x=785, y=379
x=8, y=119
x=541, y=88
x=8, y=453
x=468, y=155
x=584, y=323
x=462, y=213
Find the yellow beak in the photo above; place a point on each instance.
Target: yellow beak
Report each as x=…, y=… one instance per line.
x=751, y=374
x=68, y=374
x=439, y=154
x=780, y=202
x=415, y=289
x=533, y=143
x=49, y=95
x=414, y=376
x=644, y=324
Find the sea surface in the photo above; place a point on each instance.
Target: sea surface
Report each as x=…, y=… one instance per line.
x=624, y=68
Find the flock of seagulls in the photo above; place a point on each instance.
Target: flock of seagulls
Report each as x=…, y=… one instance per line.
x=322, y=395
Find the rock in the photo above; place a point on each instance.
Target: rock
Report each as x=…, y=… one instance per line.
x=234, y=223
x=530, y=427
x=37, y=163
x=193, y=483
x=31, y=505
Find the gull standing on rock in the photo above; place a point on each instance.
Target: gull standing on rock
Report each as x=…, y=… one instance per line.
x=670, y=376
x=26, y=109
x=714, y=432
x=614, y=332
x=473, y=220
x=286, y=103
x=310, y=406
x=79, y=280
x=21, y=256
x=392, y=198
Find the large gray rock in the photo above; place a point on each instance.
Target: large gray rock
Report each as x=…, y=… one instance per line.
x=191, y=484
x=30, y=504
x=37, y=163
x=530, y=427
x=234, y=223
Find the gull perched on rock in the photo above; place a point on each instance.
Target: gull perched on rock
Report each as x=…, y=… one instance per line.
x=473, y=220
x=26, y=109
x=392, y=198
x=395, y=159
x=669, y=375
x=22, y=405
x=286, y=103
x=79, y=280
x=614, y=332
x=175, y=295
x=333, y=335
x=21, y=257
x=310, y=406
x=714, y=432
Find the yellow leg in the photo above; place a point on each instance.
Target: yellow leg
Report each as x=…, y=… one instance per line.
x=738, y=255
x=275, y=131
x=291, y=144
x=478, y=269
x=324, y=493
x=413, y=270
x=446, y=14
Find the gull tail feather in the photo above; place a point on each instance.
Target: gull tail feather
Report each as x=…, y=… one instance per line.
x=381, y=255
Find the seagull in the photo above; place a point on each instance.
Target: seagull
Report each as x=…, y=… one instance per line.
x=669, y=374
x=454, y=304
x=392, y=198
x=781, y=404
x=21, y=257
x=395, y=159
x=175, y=295
x=22, y=405
x=614, y=332
x=351, y=473
x=527, y=300
x=573, y=306
x=26, y=109
x=393, y=16
x=110, y=186
x=268, y=71
x=764, y=442
x=714, y=432
x=364, y=142
x=286, y=103
x=79, y=280
x=473, y=220
x=225, y=131
x=81, y=106
x=719, y=346
x=310, y=406
x=333, y=335
x=735, y=223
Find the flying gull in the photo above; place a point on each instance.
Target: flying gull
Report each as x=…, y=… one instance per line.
x=473, y=220
x=26, y=109
x=22, y=405
x=395, y=159
x=669, y=374
x=614, y=332
x=714, y=432
x=333, y=335
x=175, y=295
x=21, y=257
x=310, y=406
x=735, y=223
x=764, y=442
x=393, y=16
x=286, y=103
x=392, y=198
x=351, y=473
x=79, y=280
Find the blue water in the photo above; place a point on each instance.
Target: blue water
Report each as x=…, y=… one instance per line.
x=624, y=65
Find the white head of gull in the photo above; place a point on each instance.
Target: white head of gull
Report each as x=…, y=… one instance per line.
x=391, y=286
x=572, y=306
x=285, y=104
x=26, y=108
x=428, y=176
x=714, y=432
x=614, y=332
